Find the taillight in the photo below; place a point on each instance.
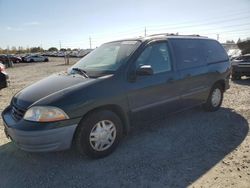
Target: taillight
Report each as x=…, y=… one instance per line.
x=2, y=68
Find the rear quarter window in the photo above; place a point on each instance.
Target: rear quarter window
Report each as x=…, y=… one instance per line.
x=188, y=53
x=214, y=51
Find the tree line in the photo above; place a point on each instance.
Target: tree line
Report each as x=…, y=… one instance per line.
x=22, y=50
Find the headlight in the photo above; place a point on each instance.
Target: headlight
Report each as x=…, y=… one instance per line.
x=45, y=114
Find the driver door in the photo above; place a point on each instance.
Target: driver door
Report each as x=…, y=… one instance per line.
x=157, y=92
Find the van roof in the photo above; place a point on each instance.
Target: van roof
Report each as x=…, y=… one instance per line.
x=164, y=36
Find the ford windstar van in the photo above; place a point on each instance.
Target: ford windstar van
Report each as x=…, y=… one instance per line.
x=92, y=105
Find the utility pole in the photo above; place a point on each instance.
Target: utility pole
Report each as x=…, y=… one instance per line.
x=41, y=46
x=90, y=43
x=218, y=37
x=145, y=32
x=9, y=63
x=60, y=45
x=8, y=51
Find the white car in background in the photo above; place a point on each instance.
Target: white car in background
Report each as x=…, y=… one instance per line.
x=36, y=58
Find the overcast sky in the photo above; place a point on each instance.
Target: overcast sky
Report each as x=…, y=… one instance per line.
x=48, y=23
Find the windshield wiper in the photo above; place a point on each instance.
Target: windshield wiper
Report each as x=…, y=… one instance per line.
x=81, y=71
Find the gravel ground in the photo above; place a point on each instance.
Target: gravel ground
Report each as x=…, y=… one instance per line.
x=190, y=149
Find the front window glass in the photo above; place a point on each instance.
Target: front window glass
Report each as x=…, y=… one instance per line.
x=156, y=55
x=108, y=57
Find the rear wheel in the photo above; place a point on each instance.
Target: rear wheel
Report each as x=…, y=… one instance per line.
x=215, y=98
x=98, y=134
x=32, y=60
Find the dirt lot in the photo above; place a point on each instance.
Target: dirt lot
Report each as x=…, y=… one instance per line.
x=193, y=148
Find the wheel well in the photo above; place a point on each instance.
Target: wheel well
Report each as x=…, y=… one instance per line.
x=115, y=109
x=222, y=83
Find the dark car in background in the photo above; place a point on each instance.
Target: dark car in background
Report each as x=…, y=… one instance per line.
x=241, y=67
x=7, y=58
x=93, y=104
x=3, y=77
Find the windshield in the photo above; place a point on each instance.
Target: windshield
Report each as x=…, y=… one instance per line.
x=108, y=57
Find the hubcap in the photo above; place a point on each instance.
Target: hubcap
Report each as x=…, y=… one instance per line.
x=216, y=97
x=102, y=135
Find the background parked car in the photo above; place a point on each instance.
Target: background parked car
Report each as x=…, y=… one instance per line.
x=35, y=58
x=241, y=67
x=7, y=58
x=3, y=77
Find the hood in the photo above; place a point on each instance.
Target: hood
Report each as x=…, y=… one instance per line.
x=43, y=88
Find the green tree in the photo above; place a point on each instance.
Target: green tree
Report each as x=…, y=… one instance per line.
x=230, y=42
x=36, y=49
x=63, y=49
x=52, y=49
x=21, y=50
x=13, y=50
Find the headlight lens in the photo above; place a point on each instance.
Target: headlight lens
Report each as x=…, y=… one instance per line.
x=45, y=114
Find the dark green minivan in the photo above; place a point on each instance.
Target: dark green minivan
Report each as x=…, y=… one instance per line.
x=92, y=105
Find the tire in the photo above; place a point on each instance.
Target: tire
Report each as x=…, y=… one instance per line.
x=32, y=60
x=215, y=98
x=88, y=130
x=46, y=60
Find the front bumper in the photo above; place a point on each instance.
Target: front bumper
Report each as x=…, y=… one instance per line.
x=241, y=70
x=42, y=141
x=39, y=137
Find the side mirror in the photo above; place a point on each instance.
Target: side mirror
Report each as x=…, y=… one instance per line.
x=145, y=70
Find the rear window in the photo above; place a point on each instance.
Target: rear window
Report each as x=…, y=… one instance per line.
x=215, y=52
x=188, y=52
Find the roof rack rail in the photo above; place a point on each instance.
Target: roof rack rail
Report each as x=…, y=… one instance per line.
x=173, y=34
x=167, y=34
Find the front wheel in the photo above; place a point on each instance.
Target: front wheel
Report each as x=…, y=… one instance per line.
x=98, y=134
x=215, y=98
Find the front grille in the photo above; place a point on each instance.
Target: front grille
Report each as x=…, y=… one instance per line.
x=17, y=113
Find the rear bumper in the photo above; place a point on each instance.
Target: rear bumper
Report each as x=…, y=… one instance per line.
x=42, y=141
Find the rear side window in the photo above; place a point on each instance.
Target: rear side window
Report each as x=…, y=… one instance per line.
x=214, y=52
x=188, y=52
